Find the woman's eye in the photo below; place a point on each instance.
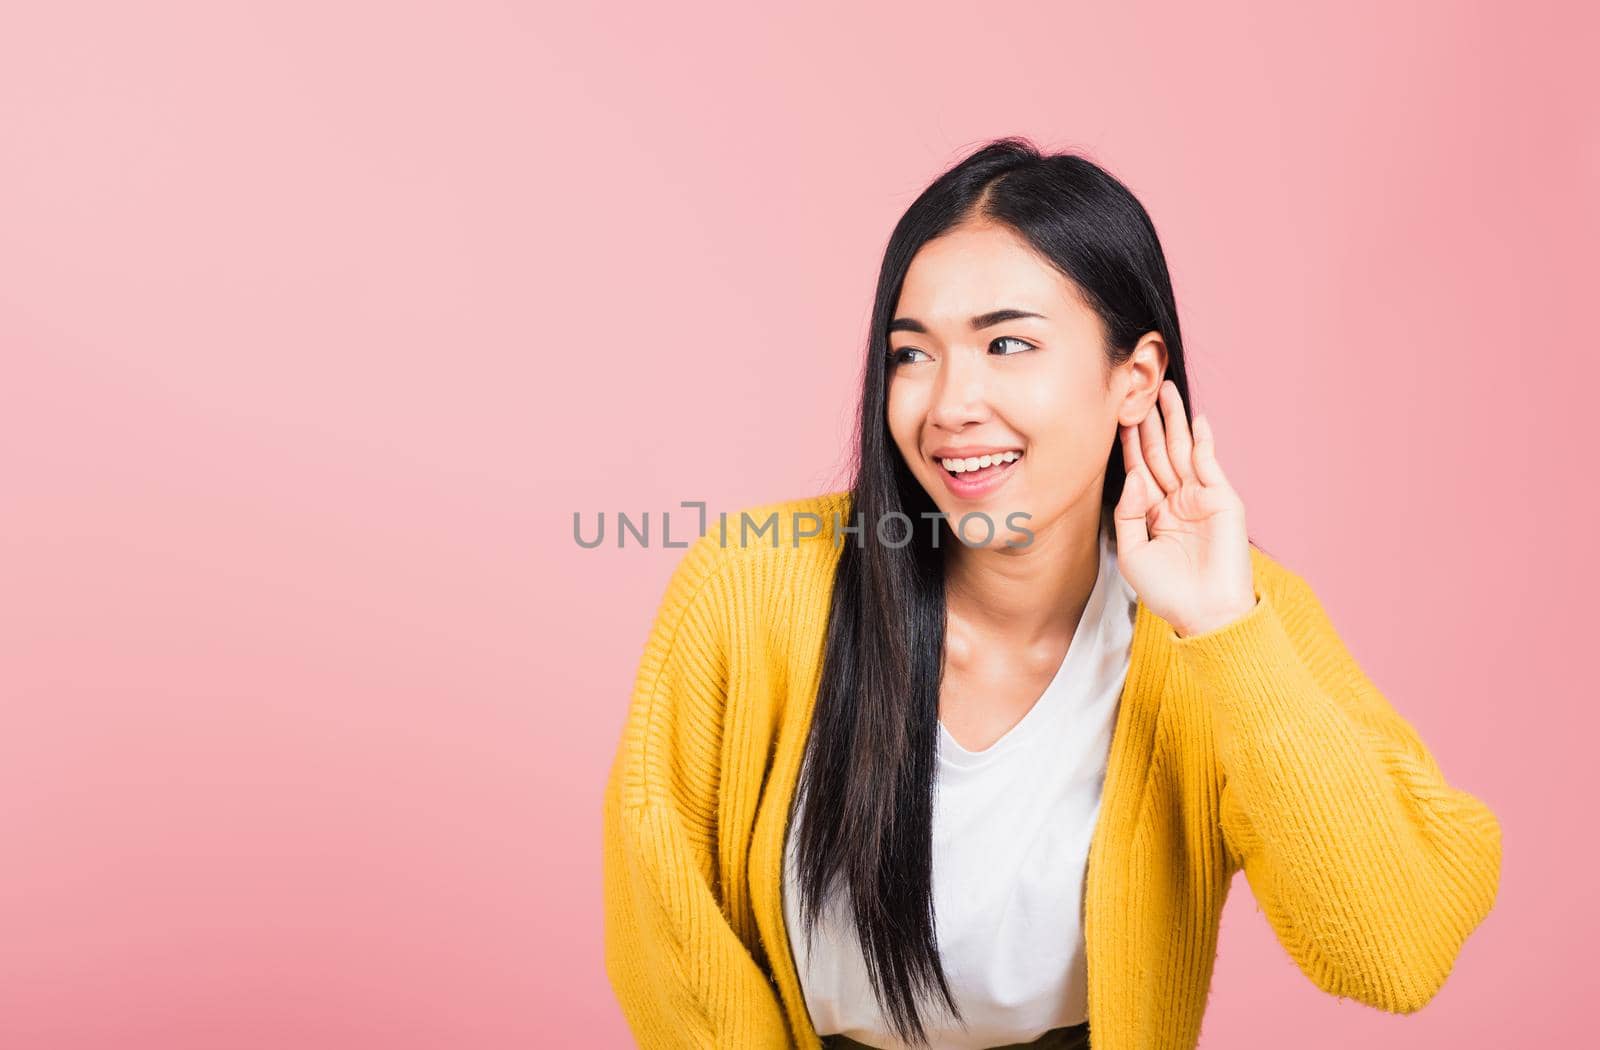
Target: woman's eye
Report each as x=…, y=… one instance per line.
x=1010, y=339
x=897, y=357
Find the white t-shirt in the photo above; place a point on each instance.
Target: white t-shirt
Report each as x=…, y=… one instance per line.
x=1011, y=831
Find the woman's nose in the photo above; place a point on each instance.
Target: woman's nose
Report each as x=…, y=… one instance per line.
x=960, y=396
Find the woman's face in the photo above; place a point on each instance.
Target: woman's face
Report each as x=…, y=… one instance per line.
x=1034, y=390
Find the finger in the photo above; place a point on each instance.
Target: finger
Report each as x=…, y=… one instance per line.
x=1153, y=443
x=1139, y=493
x=1132, y=458
x=1180, y=446
x=1207, y=469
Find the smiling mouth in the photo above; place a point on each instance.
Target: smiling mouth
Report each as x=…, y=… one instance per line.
x=978, y=467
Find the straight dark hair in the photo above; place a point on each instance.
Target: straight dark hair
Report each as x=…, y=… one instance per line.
x=868, y=778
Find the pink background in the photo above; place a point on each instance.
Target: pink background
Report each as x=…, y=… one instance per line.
x=319, y=321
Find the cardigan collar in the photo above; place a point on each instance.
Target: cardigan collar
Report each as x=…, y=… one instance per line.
x=1122, y=795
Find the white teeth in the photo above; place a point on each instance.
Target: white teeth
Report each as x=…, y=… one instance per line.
x=961, y=466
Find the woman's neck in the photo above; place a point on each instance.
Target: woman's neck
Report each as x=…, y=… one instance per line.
x=1029, y=595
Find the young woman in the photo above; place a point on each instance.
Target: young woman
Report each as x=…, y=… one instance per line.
x=967, y=755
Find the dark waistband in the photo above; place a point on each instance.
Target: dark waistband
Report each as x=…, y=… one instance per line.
x=1074, y=1037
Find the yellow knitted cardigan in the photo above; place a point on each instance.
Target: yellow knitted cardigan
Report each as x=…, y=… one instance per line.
x=1258, y=744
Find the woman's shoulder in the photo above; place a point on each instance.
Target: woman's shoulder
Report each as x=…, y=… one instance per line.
x=774, y=547
x=789, y=523
x=753, y=534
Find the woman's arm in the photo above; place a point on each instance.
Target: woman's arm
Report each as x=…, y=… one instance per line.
x=680, y=972
x=1371, y=868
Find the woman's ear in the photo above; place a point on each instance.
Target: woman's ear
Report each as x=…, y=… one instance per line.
x=1141, y=377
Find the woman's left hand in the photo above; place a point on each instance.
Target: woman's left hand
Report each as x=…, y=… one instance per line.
x=1181, y=541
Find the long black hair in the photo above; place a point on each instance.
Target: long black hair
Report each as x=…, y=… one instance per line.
x=867, y=782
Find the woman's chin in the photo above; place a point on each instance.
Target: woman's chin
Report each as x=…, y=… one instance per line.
x=990, y=524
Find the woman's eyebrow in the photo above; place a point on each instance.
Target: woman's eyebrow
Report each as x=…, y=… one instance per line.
x=980, y=322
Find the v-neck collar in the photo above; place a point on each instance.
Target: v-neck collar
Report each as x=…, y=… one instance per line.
x=1122, y=797
x=1086, y=634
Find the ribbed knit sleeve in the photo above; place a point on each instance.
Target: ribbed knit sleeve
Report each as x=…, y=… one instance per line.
x=1370, y=867
x=681, y=974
